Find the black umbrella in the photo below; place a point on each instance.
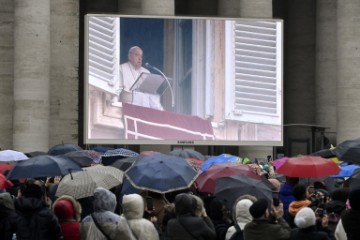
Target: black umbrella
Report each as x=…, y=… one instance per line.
x=124, y=163
x=84, y=158
x=325, y=153
x=349, y=151
x=354, y=182
x=228, y=189
x=188, y=153
x=61, y=149
x=43, y=166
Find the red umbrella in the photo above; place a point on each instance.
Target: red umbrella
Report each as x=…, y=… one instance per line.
x=308, y=167
x=6, y=167
x=4, y=183
x=206, y=180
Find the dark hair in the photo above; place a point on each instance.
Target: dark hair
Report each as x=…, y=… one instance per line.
x=299, y=192
x=292, y=180
x=33, y=188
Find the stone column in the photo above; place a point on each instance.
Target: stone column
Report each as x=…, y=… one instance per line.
x=64, y=79
x=158, y=7
x=245, y=8
x=348, y=70
x=129, y=6
x=6, y=72
x=31, y=75
x=326, y=73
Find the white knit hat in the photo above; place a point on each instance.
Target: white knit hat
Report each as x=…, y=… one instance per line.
x=305, y=218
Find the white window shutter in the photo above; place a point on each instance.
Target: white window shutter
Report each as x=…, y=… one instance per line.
x=103, y=52
x=254, y=71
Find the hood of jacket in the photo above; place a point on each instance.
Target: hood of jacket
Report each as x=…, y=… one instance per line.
x=133, y=206
x=104, y=200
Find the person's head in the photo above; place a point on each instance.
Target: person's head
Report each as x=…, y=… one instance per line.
x=6, y=202
x=66, y=207
x=305, y=218
x=185, y=203
x=135, y=56
x=300, y=192
x=33, y=189
x=199, y=205
x=276, y=184
x=354, y=199
x=292, y=180
x=242, y=197
x=104, y=200
x=259, y=208
x=133, y=206
x=242, y=212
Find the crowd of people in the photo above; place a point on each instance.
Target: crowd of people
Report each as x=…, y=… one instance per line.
x=30, y=210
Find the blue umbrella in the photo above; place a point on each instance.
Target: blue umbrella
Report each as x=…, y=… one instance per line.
x=346, y=171
x=161, y=173
x=223, y=158
x=61, y=149
x=43, y=166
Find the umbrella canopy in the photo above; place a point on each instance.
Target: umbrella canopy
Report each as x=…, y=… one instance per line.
x=43, y=166
x=346, y=171
x=349, y=151
x=124, y=163
x=187, y=153
x=277, y=163
x=219, y=159
x=4, y=182
x=35, y=153
x=82, y=184
x=61, y=149
x=84, y=157
x=308, y=167
x=111, y=156
x=195, y=163
x=325, y=153
x=161, y=173
x=206, y=180
x=12, y=155
x=228, y=189
x=6, y=166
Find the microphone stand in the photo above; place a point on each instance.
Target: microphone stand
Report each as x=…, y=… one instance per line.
x=167, y=81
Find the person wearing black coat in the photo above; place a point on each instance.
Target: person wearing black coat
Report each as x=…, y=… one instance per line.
x=187, y=225
x=8, y=216
x=35, y=220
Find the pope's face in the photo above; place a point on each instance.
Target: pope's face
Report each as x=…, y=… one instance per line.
x=135, y=57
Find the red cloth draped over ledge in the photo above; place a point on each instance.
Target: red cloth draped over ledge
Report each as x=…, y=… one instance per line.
x=147, y=123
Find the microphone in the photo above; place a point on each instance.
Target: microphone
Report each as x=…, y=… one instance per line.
x=148, y=65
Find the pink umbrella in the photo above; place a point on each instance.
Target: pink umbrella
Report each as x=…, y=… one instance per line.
x=279, y=162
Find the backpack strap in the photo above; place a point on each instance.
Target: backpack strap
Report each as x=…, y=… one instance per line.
x=98, y=226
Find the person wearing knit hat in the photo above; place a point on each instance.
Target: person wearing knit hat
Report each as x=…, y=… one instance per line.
x=259, y=208
x=348, y=226
x=261, y=228
x=305, y=220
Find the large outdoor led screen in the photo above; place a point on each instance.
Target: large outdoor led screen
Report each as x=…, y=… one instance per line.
x=183, y=80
